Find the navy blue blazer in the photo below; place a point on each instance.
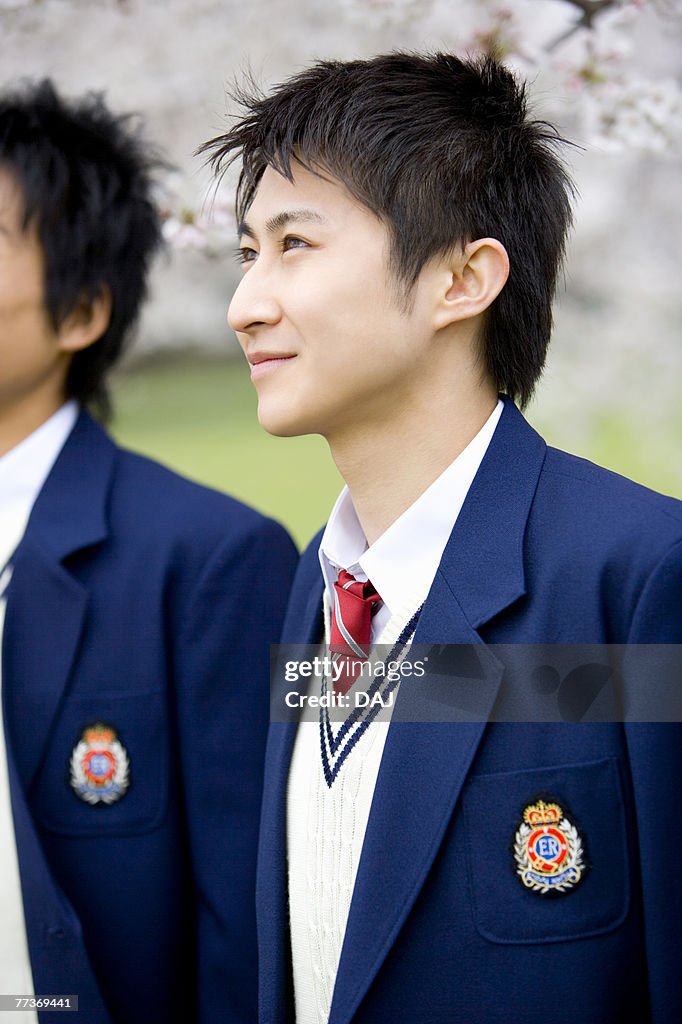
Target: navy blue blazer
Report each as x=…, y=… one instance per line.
x=548, y=549
x=146, y=602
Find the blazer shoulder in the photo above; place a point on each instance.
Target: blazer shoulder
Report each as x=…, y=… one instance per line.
x=603, y=534
x=168, y=502
x=309, y=571
x=592, y=490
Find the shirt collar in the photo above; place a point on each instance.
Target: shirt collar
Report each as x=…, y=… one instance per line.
x=24, y=468
x=405, y=557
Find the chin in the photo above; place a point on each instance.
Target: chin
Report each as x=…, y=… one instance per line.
x=281, y=423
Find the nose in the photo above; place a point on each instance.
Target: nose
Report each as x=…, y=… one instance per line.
x=252, y=306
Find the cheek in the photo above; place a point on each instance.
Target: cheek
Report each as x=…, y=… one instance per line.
x=351, y=309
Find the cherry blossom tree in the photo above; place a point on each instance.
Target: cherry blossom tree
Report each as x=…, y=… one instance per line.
x=579, y=55
x=601, y=70
x=581, y=49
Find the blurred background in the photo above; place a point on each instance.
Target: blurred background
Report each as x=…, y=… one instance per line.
x=607, y=73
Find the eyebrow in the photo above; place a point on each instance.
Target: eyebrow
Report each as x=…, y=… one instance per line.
x=280, y=220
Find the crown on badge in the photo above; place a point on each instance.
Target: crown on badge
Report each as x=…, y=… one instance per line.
x=543, y=814
x=99, y=733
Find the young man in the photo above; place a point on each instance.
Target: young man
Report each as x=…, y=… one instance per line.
x=138, y=609
x=402, y=227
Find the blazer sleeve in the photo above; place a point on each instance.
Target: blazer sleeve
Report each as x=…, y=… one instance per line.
x=655, y=752
x=221, y=661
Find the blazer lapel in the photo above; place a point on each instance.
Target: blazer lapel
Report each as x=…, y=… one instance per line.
x=303, y=626
x=425, y=764
x=46, y=604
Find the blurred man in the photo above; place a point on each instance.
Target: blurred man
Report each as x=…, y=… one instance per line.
x=402, y=226
x=138, y=609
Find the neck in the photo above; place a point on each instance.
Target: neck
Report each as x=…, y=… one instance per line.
x=392, y=462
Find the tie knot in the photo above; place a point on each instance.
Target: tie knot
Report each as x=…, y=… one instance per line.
x=347, y=584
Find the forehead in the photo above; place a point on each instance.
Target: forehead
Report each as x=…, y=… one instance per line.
x=317, y=198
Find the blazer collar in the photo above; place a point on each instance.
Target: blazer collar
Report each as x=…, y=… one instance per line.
x=483, y=560
x=70, y=511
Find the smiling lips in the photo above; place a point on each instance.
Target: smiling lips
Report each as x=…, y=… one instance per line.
x=264, y=362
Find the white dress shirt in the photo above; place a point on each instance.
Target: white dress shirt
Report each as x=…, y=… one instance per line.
x=326, y=826
x=23, y=471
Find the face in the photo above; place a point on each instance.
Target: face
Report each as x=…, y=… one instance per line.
x=321, y=320
x=32, y=368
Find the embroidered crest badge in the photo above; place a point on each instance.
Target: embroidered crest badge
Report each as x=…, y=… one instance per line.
x=548, y=850
x=99, y=766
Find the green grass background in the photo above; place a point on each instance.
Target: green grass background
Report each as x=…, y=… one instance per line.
x=198, y=416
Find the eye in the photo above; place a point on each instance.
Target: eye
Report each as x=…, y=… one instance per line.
x=245, y=255
x=292, y=242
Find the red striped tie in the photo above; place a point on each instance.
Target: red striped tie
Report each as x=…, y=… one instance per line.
x=354, y=605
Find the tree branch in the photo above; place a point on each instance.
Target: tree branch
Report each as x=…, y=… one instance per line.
x=590, y=9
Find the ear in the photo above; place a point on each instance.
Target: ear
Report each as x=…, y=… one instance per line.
x=476, y=276
x=86, y=323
